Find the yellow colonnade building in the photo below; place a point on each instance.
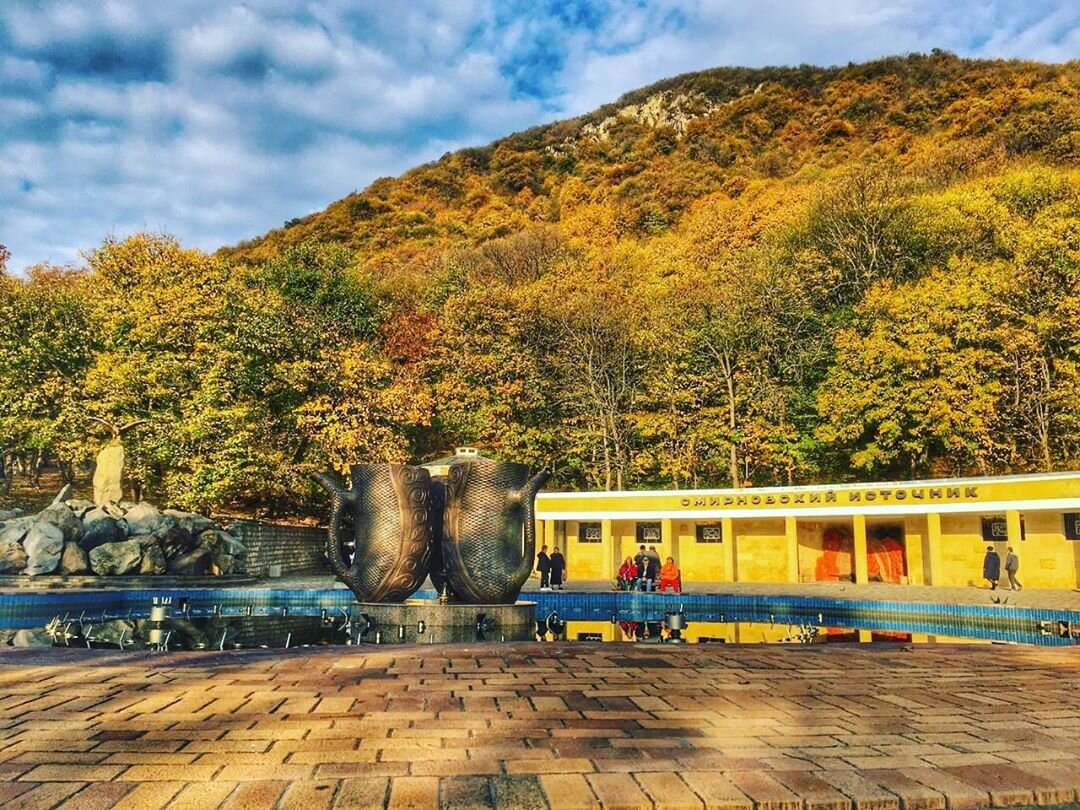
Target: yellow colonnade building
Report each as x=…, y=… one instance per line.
x=932, y=532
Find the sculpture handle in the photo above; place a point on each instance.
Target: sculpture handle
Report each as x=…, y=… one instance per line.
x=526, y=496
x=339, y=502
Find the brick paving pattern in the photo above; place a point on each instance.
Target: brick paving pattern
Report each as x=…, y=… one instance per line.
x=543, y=726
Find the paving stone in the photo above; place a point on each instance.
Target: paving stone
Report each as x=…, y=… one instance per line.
x=47, y=795
x=518, y=792
x=766, y=792
x=717, y=791
x=362, y=794
x=960, y=795
x=255, y=795
x=1002, y=783
x=568, y=792
x=864, y=794
x=816, y=793
x=98, y=796
x=913, y=795
x=202, y=795
x=148, y=795
x=618, y=791
x=465, y=793
x=668, y=791
x=414, y=793
x=309, y=794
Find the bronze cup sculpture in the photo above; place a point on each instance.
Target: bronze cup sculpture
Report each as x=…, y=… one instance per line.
x=489, y=529
x=391, y=509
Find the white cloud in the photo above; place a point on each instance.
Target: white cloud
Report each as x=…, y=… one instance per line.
x=218, y=121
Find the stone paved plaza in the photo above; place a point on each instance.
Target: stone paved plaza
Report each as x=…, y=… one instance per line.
x=563, y=725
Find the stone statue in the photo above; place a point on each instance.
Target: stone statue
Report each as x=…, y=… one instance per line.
x=390, y=507
x=109, y=469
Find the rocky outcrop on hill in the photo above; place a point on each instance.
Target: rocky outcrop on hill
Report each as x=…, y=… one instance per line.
x=74, y=537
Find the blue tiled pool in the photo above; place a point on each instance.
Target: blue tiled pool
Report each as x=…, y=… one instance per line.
x=991, y=622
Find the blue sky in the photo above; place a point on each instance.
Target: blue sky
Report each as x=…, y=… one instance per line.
x=216, y=121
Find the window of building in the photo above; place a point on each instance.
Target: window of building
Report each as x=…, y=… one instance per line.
x=710, y=533
x=648, y=533
x=997, y=528
x=1072, y=525
x=590, y=533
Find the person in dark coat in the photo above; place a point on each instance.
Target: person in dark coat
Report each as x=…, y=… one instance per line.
x=652, y=571
x=641, y=563
x=543, y=565
x=1012, y=565
x=991, y=567
x=558, y=569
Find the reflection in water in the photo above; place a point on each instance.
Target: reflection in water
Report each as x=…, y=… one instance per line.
x=660, y=632
x=290, y=619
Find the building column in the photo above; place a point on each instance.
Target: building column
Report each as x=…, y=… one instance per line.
x=933, y=547
x=667, y=533
x=1012, y=526
x=727, y=548
x=791, y=530
x=858, y=527
x=611, y=567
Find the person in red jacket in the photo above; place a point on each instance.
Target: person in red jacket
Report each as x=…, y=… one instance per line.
x=670, y=576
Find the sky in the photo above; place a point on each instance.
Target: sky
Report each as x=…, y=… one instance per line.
x=216, y=121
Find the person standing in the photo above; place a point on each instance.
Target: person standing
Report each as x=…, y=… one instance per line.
x=543, y=565
x=652, y=572
x=1012, y=565
x=991, y=567
x=641, y=566
x=558, y=569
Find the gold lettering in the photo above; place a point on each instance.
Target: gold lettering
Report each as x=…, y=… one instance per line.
x=755, y=499
x=935, y=493
x=871, y=496
x=799, y=497
x=714, y=501
x=815, y=497
x=685, y=501
x=971, y=492
x=740, y=501
x=784, y=499
x=885, y=494
x=769, y=499
x=699, y=501
x=918, y=493
x=900, y=494
x=854, y=497
x=728, y=500
x=952, y=492
x=830, y=497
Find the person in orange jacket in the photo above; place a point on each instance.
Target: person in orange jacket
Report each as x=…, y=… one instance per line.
x=669, y=575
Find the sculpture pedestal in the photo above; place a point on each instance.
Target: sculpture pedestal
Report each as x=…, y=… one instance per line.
x=426, y=621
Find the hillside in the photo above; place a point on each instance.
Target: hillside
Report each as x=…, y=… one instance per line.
x=737, y=276
x=648, y=156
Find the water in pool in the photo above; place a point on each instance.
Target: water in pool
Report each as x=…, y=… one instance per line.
x=255, y=618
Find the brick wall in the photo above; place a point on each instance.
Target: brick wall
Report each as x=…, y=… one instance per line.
x=297, y=549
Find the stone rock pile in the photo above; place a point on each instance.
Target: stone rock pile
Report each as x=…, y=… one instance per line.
x=77, y=537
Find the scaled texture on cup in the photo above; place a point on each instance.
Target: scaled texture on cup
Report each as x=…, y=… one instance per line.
x=392, y=527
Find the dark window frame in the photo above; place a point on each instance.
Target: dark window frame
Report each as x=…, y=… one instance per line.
x=588, y=524
x=699, y=534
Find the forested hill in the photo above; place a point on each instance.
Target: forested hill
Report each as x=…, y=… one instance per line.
x=732, y=277
x=647, y=157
